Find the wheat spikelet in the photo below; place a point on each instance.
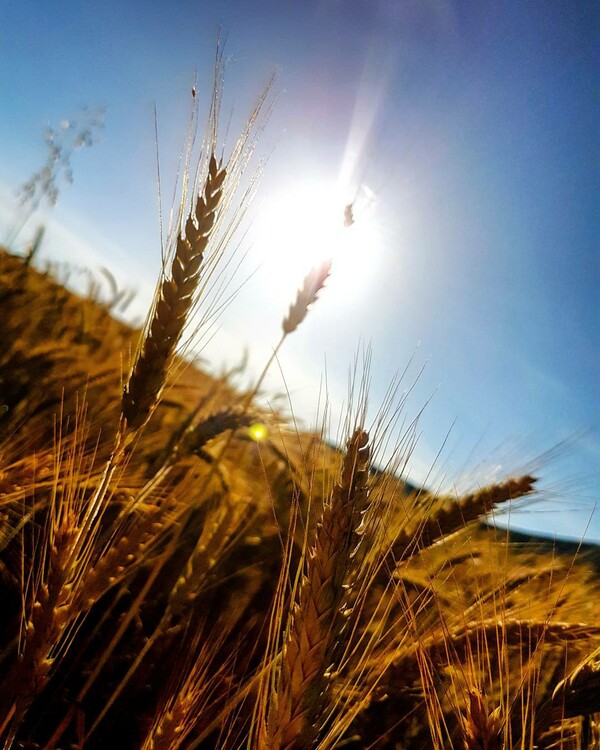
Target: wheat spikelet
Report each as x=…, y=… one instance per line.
x=116, y=561
x=193, y=437
x=509, y=632
x=174, y=302
x=313, y=283
x=579, y=692
x=452, y=514
x=293, y=721
x=43, y=629
x=481, y=728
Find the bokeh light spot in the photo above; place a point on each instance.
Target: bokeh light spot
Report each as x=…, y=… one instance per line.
x=258, y=432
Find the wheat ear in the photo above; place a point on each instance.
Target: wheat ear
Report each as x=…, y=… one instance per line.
x=175, y=299
x=451, y=514
x=299, y=701
x=116, y=562
x=43, y=630
x=307, y=295
x=579, y=693
x=481, y=728
x=510, y=632
x=191, y=439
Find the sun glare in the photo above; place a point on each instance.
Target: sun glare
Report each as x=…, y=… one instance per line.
x=312, y=222
x=258, y=432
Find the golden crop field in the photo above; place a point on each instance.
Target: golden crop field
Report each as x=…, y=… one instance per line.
x=182, y=569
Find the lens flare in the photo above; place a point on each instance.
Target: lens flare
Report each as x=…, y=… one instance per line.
x=258, y=432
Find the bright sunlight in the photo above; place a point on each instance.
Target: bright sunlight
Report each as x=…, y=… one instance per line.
x=314, y=221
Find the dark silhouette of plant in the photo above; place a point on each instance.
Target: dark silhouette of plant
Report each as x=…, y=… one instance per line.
x=44, y=185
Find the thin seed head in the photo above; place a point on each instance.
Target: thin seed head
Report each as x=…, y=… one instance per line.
x=313, y=283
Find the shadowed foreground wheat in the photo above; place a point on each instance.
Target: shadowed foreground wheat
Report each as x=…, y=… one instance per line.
x=168, y=582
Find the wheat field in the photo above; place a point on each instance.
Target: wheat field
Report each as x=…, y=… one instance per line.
x=168, y=580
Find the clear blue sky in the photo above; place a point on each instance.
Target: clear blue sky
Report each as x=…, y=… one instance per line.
x=475, y=126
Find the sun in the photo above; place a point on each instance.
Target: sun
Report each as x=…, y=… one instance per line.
x=313, y=221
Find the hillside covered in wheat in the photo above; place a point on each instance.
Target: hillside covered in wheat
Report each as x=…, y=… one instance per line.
x=180, y=569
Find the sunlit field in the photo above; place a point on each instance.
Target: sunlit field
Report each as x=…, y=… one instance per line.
x=182, y=567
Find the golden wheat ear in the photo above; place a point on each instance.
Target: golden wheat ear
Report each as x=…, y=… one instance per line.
x=307, y=295
x=173, y=304
x=481, y=728
x=451, y=514
x=194, y=436
x=316, y=621
x=579, y=693
x=43, y=627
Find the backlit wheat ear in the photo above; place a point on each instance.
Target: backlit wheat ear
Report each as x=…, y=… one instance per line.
x=116, y=562
x=514, y=632
x=579, y=693
x=481, y=728
x=316, y=622
x=451, y=514
x=44, y=627
x=313, y=283
x=196, y=436
x=487, y=635
x=175, y=299
x=307, y=295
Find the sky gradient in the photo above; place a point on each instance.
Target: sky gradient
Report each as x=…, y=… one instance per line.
x=473, y=124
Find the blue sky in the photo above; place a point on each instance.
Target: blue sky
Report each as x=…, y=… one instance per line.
x=474, y=126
